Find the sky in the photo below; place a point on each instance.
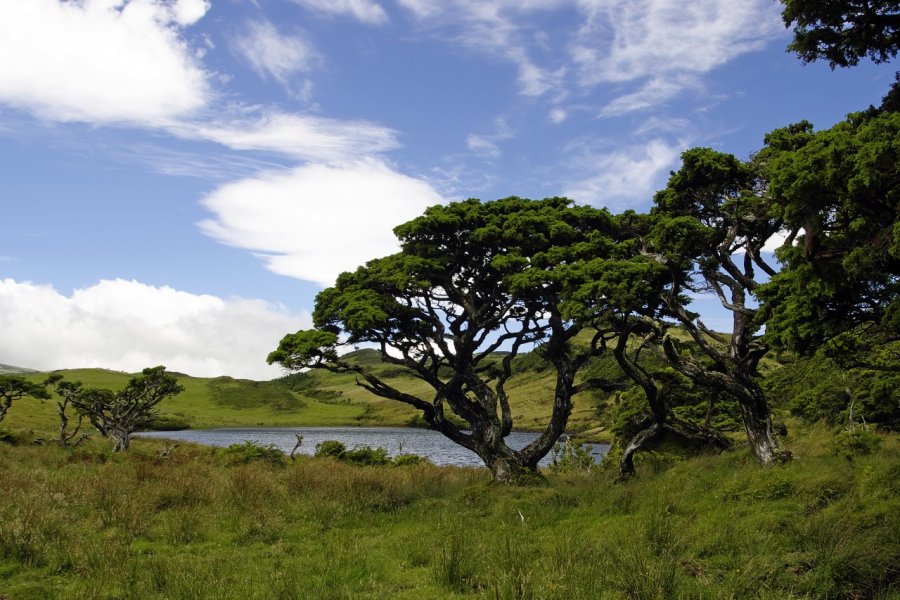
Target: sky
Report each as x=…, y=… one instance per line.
x=179, y=178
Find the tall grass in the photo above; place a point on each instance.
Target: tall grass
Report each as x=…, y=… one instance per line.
x=83, y=523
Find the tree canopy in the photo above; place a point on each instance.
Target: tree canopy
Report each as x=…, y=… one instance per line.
x=842, y=32
x=471, y=278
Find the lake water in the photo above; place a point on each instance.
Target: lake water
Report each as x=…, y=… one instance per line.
x=396, y=440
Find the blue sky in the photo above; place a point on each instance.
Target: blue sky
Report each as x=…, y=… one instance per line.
x=180, y=177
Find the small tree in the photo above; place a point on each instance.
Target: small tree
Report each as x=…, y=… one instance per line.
x=13, y=389
x=472, y=278
x=68, y=391
x=118, y=414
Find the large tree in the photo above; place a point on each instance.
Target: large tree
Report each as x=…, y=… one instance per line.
x=712, y=221
x=472, y=278
x=843, y=31
x=838, y=193
x=118, y=414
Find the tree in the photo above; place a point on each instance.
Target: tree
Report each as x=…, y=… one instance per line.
x=618, y=298
x=471, y=278
x=68, y=392
x=843, y=31
x=711, y=223
x=838, y=193
x=13, y=389
x=118, y=414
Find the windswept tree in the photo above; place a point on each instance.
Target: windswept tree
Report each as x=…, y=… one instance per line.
x=712, y=221
x=117, y=415
x=68, y=392
x=618, y=298
x=13, y=389
x=471, y=278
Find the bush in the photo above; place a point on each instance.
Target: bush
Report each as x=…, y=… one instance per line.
x=332, y=448
x=250, y=451
x=364, y=455
x=409, y=459
x=849, y=444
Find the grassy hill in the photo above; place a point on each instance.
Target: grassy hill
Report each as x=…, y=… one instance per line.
x=317, y=398
x=11, y=370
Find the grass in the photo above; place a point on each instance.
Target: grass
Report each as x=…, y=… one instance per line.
x=85, y=523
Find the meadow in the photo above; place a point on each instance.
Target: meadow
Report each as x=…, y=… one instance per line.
x=201, y=523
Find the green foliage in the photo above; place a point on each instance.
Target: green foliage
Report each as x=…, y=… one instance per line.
x=250, y=451
x=842, y=32
x=331, y=448
x=571, y=457
x=820, y=387
x=118, y=414
x=156, y=422
x=836, y=189
x=859, y=442
x=364, y=455
x=14, y=387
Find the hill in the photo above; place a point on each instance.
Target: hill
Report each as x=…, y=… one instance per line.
x=317, y=398
x=11, y=370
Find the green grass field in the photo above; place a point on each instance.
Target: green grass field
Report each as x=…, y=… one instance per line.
x=84, y=523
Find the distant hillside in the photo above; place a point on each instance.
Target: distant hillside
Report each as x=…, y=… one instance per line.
x=11, y=370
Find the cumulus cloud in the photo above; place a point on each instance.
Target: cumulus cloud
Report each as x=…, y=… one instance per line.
x=362, y=10
x=626, y=178
x=127, y=325
x=317, y=220
x=101, y=61
x=275, y=55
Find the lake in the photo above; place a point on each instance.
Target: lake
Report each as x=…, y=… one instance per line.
x=396, y=440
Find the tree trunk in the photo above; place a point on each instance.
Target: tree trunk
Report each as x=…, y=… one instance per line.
x=641, y=439
x=758, y=425
x=120, y=438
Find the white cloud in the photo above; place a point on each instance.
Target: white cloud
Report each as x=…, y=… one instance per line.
x=315, y=221
x=558, y=115
x=626, y=178
x=101, y=61
x=482, y=146
x=298, y=136
x=188, y=12
x=363, y=10
x=666, y=42
x=274, y=55
x=127, y=325
x=653, y=93
x=487, y=144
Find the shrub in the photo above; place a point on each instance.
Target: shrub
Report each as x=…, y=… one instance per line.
x=332, y=448
x=250, y=451
x=364, y=455
x=849, y=444
x=409, y=459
